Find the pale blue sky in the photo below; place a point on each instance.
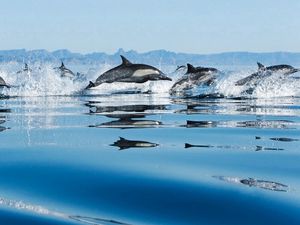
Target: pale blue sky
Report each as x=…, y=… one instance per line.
x=193, y=26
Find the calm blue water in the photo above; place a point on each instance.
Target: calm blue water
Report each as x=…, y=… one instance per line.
x=68, y=157
x=182, y=161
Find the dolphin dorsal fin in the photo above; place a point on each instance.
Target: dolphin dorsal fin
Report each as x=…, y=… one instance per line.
x=122, y=139
x=261, y=67
x=125, y=61
x=190, y=68
x=62, y=65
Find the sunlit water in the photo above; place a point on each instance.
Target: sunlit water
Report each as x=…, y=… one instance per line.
x=69, y=157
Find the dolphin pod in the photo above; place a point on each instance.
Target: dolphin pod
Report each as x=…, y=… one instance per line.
x=129, y=72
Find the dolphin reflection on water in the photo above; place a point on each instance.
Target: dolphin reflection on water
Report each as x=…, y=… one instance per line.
x=126, y=121
x=252, y=182
x=123, y=143
x=126, y=108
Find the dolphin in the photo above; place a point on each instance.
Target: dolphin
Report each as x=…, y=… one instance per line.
x=128, y=108
x=3, y=83
x=264, y=72
x=252, y=182
x=123, y=143
x=26, y=69
x=64, y=71
x=126, y=121
x=130, y=73
x=195, y=76
x=269, y=185
x=180, y=67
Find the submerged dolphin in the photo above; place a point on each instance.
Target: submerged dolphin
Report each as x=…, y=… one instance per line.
x=195, y=76
x=64, y=71
x=129, y=72
x=264, y=72
x=123, y=143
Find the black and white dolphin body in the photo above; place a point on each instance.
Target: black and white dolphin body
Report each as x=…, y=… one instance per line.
x=264, y=72
x=64, y=71
x=195, y=76
x=130, y=73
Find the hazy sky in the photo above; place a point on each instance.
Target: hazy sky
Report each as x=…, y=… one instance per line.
x=194, y=26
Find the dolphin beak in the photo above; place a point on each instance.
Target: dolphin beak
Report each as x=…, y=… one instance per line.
x=163, y=77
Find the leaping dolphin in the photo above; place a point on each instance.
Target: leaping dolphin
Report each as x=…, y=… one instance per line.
x=130, y=73
x=64, y=71
x=25, y=70
x=195, y=76
x=264, y=72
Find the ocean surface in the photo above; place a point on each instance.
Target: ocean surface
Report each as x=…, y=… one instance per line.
x=124, y=155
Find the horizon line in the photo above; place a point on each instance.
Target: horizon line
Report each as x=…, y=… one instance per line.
x=138, y=52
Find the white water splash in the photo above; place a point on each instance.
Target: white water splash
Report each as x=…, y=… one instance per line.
x=274, y=86
x=43, y=80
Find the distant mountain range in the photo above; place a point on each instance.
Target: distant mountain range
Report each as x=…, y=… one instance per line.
x=157, y=57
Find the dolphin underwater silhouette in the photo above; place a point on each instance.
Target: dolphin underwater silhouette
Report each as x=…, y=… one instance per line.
x=195, y=76
x=130, y=73
x=264, y=72
x=64, y=71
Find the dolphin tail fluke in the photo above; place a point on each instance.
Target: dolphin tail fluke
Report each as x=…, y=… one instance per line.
x=187, y=145
x=190, y=68
x=91, y=84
